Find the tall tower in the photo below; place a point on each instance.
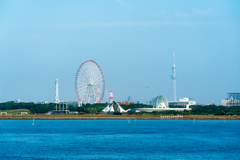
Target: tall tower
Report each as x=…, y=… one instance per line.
x=174, y=78
x=111, y=96
x=129, y=98
x=56, y=92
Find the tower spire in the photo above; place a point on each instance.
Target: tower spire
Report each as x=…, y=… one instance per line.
x=56, y=92
x=174, y=58
x=174, y=78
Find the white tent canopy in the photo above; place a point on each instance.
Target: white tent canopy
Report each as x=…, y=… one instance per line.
x=105, y=110
x=120, y=109
x=111, y=108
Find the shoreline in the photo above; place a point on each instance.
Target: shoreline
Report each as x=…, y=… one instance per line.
x=109, y=116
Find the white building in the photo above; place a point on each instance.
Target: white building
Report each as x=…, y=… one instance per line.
x=42, y=102
x=226, y=102
x=160, y=109
x=74, y=103
x=232, y=100
x=17, y=101
x=161, y=103
x=182, y=102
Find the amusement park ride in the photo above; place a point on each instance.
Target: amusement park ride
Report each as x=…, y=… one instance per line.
x=89, y=83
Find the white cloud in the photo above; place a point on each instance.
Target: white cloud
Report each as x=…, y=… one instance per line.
x=114, y=24
x=162, y=14
x=202, y=12
x=129, y=24
x=182, y=14
x=186, y=23
x=121, y=2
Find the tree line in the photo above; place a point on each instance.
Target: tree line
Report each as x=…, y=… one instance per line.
x=98, y=107
x=33, y=107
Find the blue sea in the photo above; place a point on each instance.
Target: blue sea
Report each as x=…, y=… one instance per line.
x=117, y=139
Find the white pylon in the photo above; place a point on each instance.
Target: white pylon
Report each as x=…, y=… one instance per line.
x=56, y=92
x=174, y=79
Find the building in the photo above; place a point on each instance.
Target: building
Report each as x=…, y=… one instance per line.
x=42, y=102
x=129, y=98
x=125, y=102
x=17, y=101
x=182, y=102
x=232, y=100
x=74, y=103
x=160, y=103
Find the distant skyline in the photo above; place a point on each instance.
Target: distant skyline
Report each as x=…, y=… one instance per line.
x=132, y=41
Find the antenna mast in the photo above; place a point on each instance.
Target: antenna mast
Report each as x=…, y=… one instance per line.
x=174, y=78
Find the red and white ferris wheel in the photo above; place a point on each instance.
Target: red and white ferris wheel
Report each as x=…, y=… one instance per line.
x=89, y=83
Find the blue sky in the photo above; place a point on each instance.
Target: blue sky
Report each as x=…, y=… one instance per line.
x=132, y=41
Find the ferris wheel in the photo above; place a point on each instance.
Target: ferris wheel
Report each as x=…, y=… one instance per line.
x=90, y=83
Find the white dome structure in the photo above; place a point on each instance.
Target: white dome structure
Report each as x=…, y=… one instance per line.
x=160, y=102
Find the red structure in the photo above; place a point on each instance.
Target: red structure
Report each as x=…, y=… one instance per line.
x=125, y=103
x=111, y=96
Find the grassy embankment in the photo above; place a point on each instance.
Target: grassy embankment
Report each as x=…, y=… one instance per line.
x=94, y=110
x=16, y=113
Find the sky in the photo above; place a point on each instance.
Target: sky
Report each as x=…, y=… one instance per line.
x=133, y=42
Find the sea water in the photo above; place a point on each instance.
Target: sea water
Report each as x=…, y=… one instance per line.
x=117, y=139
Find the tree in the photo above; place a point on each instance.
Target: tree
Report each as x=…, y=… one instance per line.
x=117, y=113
